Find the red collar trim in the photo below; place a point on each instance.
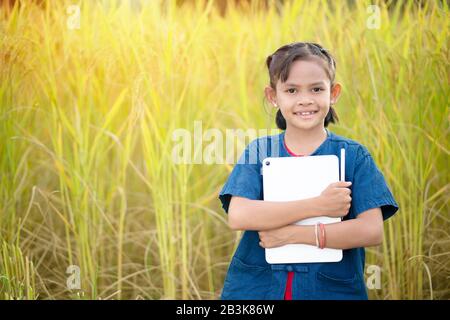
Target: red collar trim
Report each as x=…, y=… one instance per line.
x=290, y=152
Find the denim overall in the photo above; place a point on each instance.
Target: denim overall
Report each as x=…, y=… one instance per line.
x=249, y=276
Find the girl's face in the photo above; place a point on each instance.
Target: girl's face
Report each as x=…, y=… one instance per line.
x=307, y=89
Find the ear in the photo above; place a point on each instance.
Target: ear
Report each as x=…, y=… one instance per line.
x=335, y=93
x=271, y=95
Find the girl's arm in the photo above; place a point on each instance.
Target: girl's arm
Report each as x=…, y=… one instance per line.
x=364, y=231
x=247, y=214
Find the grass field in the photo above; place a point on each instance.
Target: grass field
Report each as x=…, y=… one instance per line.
x=91, y=93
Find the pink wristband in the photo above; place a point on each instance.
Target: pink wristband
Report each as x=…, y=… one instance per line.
x=321, y=236
x=322, y=240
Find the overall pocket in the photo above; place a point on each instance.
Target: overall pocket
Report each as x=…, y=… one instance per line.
x=244, y=281
x=333, y=283
x=336, y=288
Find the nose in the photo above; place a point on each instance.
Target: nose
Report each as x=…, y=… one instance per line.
x=304, y=101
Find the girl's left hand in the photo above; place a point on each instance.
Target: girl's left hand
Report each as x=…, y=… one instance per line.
x=276, y=237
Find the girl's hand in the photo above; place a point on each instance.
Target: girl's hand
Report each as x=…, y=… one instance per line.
x=277, y=237
x=335, y=200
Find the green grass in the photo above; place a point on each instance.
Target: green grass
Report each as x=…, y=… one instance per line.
x=17, y=274
x=86, y=123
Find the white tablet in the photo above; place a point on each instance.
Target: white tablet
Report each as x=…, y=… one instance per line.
x=296, y=178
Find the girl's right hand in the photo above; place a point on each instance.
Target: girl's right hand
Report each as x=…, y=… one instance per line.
x=335, y=200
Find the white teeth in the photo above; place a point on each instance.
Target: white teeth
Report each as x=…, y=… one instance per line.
x=305, y=113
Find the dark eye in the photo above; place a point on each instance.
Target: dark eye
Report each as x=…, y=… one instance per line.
x=289, y=90
x=317, y=89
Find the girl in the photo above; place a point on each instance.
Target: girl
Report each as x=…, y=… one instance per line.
x=303, y=88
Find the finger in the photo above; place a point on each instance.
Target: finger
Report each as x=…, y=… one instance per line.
x=261, y=244
x=342, y=184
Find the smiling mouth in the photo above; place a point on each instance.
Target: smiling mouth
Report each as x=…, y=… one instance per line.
x=305, y=115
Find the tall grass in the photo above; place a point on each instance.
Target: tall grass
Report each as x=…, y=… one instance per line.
x=17, y=274
x=86, y=123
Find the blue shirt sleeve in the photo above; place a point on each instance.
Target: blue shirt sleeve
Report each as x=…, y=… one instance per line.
x=245, y=179
x=369, y=188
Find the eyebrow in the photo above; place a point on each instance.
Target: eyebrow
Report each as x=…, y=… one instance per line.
x=311, y=84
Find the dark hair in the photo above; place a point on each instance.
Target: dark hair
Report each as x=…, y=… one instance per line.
x=279, y=64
